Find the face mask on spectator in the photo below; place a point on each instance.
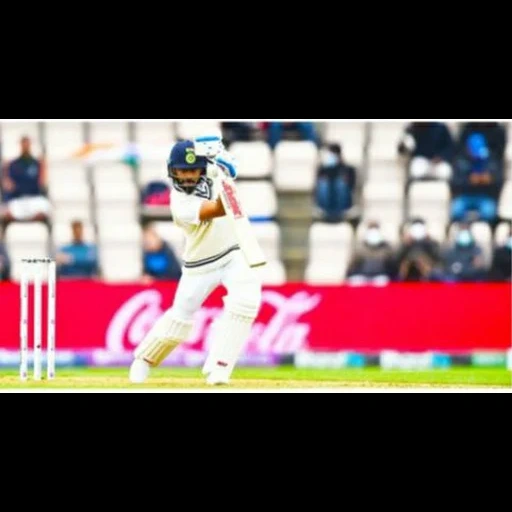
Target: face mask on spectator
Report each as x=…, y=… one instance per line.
x=329, y=159
x=373, y=237
x=464, y=238
x=418, y=231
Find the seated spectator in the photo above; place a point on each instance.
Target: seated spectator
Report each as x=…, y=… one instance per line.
x=5, y=264
x=335, y=183
x=160, y=262
x=79, y=259
x=419, y=256
x=476, y=183
x=156, y=194
x=373, y=263
x=24, y=187
x=495, y=136
x=464, y=261
x=501, y=261
x=291, y=131
x=430, y=147
x=233, y=132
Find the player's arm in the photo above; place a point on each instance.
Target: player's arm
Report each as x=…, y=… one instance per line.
x=211, y=210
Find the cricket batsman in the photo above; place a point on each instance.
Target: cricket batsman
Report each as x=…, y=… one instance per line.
x=212, y=257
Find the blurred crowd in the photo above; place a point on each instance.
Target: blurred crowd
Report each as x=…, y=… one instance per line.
x=421, y=258
x=472, y=161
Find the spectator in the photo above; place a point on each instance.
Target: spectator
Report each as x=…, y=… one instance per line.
x=79, y=259
x=238, y=131
x=335, y=183
x=156, y=194
x=301, y=131
x=5, y=264
x=495, y=135
x=24, y=187
x=477, y=182
x=374, y=262
x=501, y=261
x=160, y=262
x=419, y=256
x=430, y=147
x=464, y=261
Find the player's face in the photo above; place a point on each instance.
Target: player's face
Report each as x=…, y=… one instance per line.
x=188, y=177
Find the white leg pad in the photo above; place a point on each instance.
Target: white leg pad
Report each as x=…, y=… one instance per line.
x=233, y=332
x=167, y=333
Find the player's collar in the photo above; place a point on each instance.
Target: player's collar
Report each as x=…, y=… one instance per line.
x=202, y=189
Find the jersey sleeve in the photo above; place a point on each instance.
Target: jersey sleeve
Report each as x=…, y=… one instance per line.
x=185, y=209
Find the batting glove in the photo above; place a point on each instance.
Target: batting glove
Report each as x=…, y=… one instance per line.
x=227, y=163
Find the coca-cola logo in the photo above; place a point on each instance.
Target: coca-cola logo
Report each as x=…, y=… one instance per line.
x=281, y=333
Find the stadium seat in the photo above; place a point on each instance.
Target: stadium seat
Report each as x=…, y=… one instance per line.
x=74, y=172
x=11, y=135
x=330, y=250
x=62, y=234
x=62, y=192
x=120, y=251
x=437, y=231
x=508, y=155
x=152, y=171
x=430, y=200
x=483, y=236
x=259, y=199
x=351, y=136
x=386, y=171
x=127, y=232
x=63, y=139
x=505, y=204
x=121, y=263
x=111, y=173
x=117, y=212
x=173, y=235
x=384, y=140
x=122, y=192
x=383, y=202
x=254, y=159
x=67, y=212
x=113, y=183
x=191, y=129
x=155, y=133
x=26, y=240
x=273, y=273
x=115, y=133
x=269, y=237
x=295, y=166
x=501, y=233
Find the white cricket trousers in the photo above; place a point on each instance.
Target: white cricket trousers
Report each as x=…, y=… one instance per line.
x=242, y=283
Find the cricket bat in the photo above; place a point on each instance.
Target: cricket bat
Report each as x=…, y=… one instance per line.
x=230, y=197
x=242, y=227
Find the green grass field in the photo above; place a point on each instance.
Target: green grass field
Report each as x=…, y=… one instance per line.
x=268, y=378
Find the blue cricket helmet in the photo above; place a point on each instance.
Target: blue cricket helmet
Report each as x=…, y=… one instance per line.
x=183, y=156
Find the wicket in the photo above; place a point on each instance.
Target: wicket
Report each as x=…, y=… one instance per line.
x=34, y=268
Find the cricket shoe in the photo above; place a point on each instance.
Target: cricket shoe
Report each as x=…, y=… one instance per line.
x=218, y=377
x=139, y=371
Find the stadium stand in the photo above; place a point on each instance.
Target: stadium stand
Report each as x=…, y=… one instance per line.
x=104, y=190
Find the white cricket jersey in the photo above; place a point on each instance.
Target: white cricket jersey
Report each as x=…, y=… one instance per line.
x=208, y=244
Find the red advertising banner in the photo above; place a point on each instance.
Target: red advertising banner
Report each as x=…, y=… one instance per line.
x=404, y=317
